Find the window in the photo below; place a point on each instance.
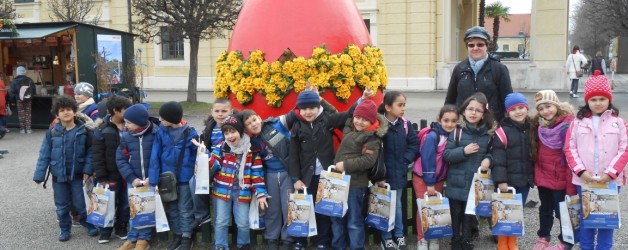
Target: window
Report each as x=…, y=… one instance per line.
x=506, y=48
x=367, y=22
x=521, y=48
x=171, y=44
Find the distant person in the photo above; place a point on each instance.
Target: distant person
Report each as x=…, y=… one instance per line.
x=22, y=92
x=3, y=108
x=480, y=72
x=574, y=64
x=83, y=94
x=598, y=63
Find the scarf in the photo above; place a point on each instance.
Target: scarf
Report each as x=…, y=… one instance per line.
x=141, y=130
x=477, y=65
x=553, y=137
x=86, y=104
x=242, y=148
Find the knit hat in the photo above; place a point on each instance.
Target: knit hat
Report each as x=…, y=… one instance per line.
x=171, y=112
x=367, y=110
x=308, y=99
x=515, y=99
x=137, y=114
x=20, y=71
x=85, y=89
x=546, y=97
x=234, y=122
x=597, y=85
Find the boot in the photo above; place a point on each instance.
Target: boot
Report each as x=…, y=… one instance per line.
x=142, y=245
x=127, y=246
x=512, y=243
x=176, y=242
x=502, y=242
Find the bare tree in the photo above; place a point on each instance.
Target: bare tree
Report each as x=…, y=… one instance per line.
x=193, y=19
x=73, y=10
x=596, y=22
x=6, y=10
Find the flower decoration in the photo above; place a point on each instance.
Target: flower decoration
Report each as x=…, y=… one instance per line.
x=339, y=73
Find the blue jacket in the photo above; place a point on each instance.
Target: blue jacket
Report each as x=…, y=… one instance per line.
x=92, y=111
x=67, y=153
x=400, y=149
x=128, y=153
x=165, y=154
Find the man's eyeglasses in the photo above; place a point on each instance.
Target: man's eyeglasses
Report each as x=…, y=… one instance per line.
x=471, y=110
x=472, y=45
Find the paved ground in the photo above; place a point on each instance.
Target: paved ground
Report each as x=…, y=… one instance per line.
x=28, y=213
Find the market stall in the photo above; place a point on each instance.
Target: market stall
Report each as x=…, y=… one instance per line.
x=55, y=54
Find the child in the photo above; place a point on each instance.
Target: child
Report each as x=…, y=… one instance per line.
x=312, y=150
x=83, y=94
x=512, y=165
x=401, y=148
x=106, y=139
x=596, y=150
x=238, y=178
x=212, y=138
x=169, y=142
x=357, y=153
x=464, y=155
x=66, y=153
x=551, y=173
x=432, y=163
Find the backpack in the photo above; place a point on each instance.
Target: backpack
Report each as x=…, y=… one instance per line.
x=26, y=91
x=417, y=169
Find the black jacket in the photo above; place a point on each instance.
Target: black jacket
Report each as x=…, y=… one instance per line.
x=513, y=164
x=493, y=80
x=105, y=142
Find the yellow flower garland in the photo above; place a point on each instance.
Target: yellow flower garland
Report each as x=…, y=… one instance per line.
x=337, y=72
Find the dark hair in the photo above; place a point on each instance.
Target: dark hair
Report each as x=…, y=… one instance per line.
x=585, y=111
x=117, y=102
x=389, y=99
x=487, y=118
x=446, y=109
x=62, y=102
x=246, y=114
x=576, y=47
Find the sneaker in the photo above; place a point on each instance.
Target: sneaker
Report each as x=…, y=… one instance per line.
x=104, y=239
x=176, y=242
x=76, y=220
x=141, y=245
x=22, y=131
x=29, y=131
x=576, y=96
x=91, y=229
x=571, y=92
x=321, y=247
x=122, y=233
x=2, y=132
x=298, y=246
x=541, y=244
x=389, y=244
x=64, y=236
x=201, y=222
x=186, y=244
x=421, y=244
x=401, y=243
x=433, y=244
x=126, y=246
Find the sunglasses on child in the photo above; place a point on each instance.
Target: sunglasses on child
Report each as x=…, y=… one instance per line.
x=479, y=45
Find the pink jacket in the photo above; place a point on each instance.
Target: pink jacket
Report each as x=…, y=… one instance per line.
x=612, y=139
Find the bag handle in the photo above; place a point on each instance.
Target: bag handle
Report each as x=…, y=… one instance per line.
x=480, y=171
x=304, y=190
x=440, y=196
x=499, y=191
x=334, y=168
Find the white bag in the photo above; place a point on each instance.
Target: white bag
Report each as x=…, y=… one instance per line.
x=570, y=218
x=435, y=217
x=161, y=221
x=301, y=217
x=142, y=206
x=381, y=208
x=333, y=193
x=256, y=220
x=102, y=206
x=201, y=172
x=480, y=193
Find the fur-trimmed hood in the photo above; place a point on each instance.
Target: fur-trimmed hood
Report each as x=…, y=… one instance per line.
x=379, y=132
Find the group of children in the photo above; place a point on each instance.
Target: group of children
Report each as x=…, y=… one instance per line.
x=265, y=160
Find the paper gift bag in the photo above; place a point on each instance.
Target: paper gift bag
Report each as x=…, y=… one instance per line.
x=301, y=218
x=88, y=187
x=480, y=193
x=570, y=218
x=142, y=206
x=201, y=172
x=381, y=208
x=256, y=219
x=161, y=221
x=332, y=194
x=102, y=209
x=600, y=206
x=507, y=214
x=435, y=217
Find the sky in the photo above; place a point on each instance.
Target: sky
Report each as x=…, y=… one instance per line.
x=521, y=6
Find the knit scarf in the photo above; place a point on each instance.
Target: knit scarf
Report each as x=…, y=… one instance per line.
x=553, y=137
x=242, y=148
x=86, y=104
x=141, y=130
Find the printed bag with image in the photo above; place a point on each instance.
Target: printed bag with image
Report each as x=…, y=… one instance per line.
x=102, y=206
x=507, y=214
x=333, y=193
x=600, y=206
x=142, y=206
x=435, y=217
x=381, y=208
x=88, y=188
x=570, y=219
x=480, y=193
x=301, y=218
x=256, y=220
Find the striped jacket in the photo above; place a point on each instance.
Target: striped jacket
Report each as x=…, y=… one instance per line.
x=223, y=166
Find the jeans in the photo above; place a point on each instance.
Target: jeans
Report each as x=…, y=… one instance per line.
x=122, y=208
x=588, y=241
x=179, y=212
x=223, y=218
x=398, y=230
x=278, y=186
x=138, y=234
x=352, y=224
x=548, y=210
x=574, y=86
x=200, y=201
x=66, y=195
x=323, y=223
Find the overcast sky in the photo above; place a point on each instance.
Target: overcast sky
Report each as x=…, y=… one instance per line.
x=521, y=6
